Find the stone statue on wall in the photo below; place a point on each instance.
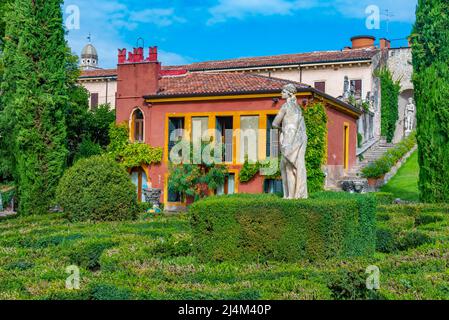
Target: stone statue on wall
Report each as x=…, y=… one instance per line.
x=293, y=142
x=410, y=111
x=346, y=88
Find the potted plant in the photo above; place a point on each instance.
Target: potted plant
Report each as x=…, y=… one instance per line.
x=376, y=171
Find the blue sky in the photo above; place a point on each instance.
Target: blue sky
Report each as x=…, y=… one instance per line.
x=199, y=30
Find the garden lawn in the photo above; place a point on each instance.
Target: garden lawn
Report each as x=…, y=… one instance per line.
x=405, y=184
x=151, y=259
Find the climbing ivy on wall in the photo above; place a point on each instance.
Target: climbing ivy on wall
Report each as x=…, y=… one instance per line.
x=316, y=155
x=131, y=155
x=390, y=101
x=430, y=47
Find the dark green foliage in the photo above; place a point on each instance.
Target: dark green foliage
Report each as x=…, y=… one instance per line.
x=397, y=229
x=350, y=284
x=389, y=107
x=384, y=198
x=87, y=149
x=265, y=227
x=97, y=189
x=393, y=240
x=88, y=255
x=109, y=292
x=316, y=155
x=383, y=165
x=430, y=46
x=19, y=265
x=34, y=100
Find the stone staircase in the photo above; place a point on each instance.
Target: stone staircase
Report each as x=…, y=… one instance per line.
x=371, y=155
x=353, y=181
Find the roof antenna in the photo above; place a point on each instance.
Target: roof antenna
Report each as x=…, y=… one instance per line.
x=140, y=39
x=388, y=16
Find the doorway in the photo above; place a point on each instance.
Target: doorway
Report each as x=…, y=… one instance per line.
x=140, y=180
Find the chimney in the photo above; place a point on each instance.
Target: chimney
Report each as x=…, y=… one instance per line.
x=137, y=77
x=360, y=42
x=385, y=43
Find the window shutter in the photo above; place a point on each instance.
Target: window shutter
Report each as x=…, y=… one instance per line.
x=321, y=86
x=94, y=100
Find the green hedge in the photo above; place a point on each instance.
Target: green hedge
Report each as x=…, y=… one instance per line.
x=265, y=227
x=399, y=226
x=97, y=189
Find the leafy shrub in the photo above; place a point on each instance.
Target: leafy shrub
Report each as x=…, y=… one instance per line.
x=87, y=149
x=384, y=198
x=128, y=154
x=383, y=165
x=424, y=219
x=172, y=248
x=88, y=255
x=19, y=265
x=386, y=240
x=265, y=227
x=97, y=189
x=109, y=292
x=248, y=171
x=351, y=285
x=413, y=239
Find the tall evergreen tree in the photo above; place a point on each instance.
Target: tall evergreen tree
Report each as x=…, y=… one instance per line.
x=35, y=98
x=430, y=46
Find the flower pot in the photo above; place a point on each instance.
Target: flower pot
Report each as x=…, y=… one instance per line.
x=372, y=182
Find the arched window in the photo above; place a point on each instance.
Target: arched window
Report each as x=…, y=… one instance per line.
x=138, y=125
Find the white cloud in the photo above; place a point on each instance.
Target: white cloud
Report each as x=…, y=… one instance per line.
x=107, y=20
x=239, y=9
x=402, y=10
x=159, y=17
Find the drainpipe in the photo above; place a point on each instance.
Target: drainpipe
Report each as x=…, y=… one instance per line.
x=107, y=89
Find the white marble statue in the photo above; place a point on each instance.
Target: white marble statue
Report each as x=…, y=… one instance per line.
x=293, y=142
x=410, y=111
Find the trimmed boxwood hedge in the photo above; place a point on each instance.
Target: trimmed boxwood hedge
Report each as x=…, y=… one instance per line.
x=265, y=227
x=97, y=189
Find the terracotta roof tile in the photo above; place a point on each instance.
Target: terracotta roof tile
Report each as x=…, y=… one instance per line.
x=99, y=73
x=220, y=83
x=287, y=59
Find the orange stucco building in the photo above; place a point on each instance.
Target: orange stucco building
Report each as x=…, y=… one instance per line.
x=155, y=101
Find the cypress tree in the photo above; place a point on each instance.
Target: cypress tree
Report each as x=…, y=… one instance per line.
x=430, y=46
x=34, y=100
